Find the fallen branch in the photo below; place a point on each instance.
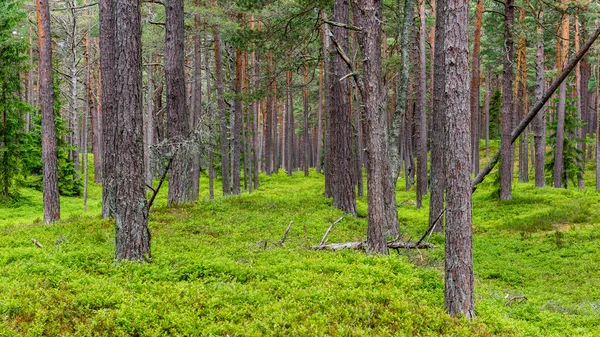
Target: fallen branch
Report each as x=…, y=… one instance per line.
x=362, y=245
x=516, y=299
x=324, y=239
x=287, y=230
x=35, y=242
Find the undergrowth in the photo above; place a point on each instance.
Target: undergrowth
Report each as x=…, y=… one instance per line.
x=215, y=270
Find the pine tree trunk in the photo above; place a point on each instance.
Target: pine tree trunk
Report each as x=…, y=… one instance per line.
x=109, y=116
x=305, y=140
x=74, y=113
x=236, y=129
x=289, y=126
x=211, y=120
x=459, y=280
x=436, y=200
x=46, y=93
x=222, y=113
x=560, y=115
x=421, y=113
x=475, y=80
x=319, y=137
x=486, y=108
x=506, y=161
x=539, y=125
x=196, y=113
x=132, y=233
x=381, y=200
x=580, y=99
x=178, y=128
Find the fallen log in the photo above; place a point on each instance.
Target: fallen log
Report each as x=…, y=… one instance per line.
x=361, y=245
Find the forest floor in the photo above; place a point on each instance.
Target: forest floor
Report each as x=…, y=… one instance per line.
x=215, y=270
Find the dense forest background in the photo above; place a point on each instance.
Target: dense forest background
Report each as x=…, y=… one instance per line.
x=388, y=115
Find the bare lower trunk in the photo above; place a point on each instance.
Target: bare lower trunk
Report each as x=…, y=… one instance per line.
x=46, y=92
x=475, y=80
x=436, y=201
x=539, y=125
x=178, y=128
x=196, y=113
x=560, y=110
x=486, y=108
x=421, y=113
x=236, y=130
x=109, y=116
x=506, y=162
x=132, y=233
x=459, y=280
x=382, y=206
x=222, y=114
x=340, y=133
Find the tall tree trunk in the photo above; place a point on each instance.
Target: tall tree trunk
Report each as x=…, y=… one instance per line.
x=288, y=148
x=381, y=202
x=340, y=133
x=319, y=137
x=597, y=128
x=74, y=113
x=560, y=115
x=486, y=108
x=327, y=53
x=506, y=161
x=95, y=119
x=402, y=84
x=580, y=102
x=520, y=100
x=305, y=140
x=475, y=80
x=236, y=130
x=421, y=113
x=438, y=151
x=196, y=113
x=178, y=128
x=269, y=119
x=222, y=113
x=132, y=233
x=109, y=116
x=46, y=93
x=539, y=125
x=149, y=124
x=211, y=119
x=459, y=280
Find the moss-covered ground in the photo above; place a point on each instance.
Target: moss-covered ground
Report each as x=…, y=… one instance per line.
x=216, y=272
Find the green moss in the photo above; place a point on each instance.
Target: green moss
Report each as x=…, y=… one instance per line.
x=215, y=271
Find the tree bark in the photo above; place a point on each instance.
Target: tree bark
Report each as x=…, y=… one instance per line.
x=506, y=162
x=580, y=102
x=436, y=201
x=196, y=113
x=132, y=233
x=305, y=139
x=539, y=125
x=421, y=113
x=109, y=116
x=560, y=111
x=236, y=130
x=269, y=134
x=340, y=133
x=368, y=15
x=488, y=94
x=459, y=280
x=222, y=113
x=46, y=93
x=475, y=80
x=178, y=128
